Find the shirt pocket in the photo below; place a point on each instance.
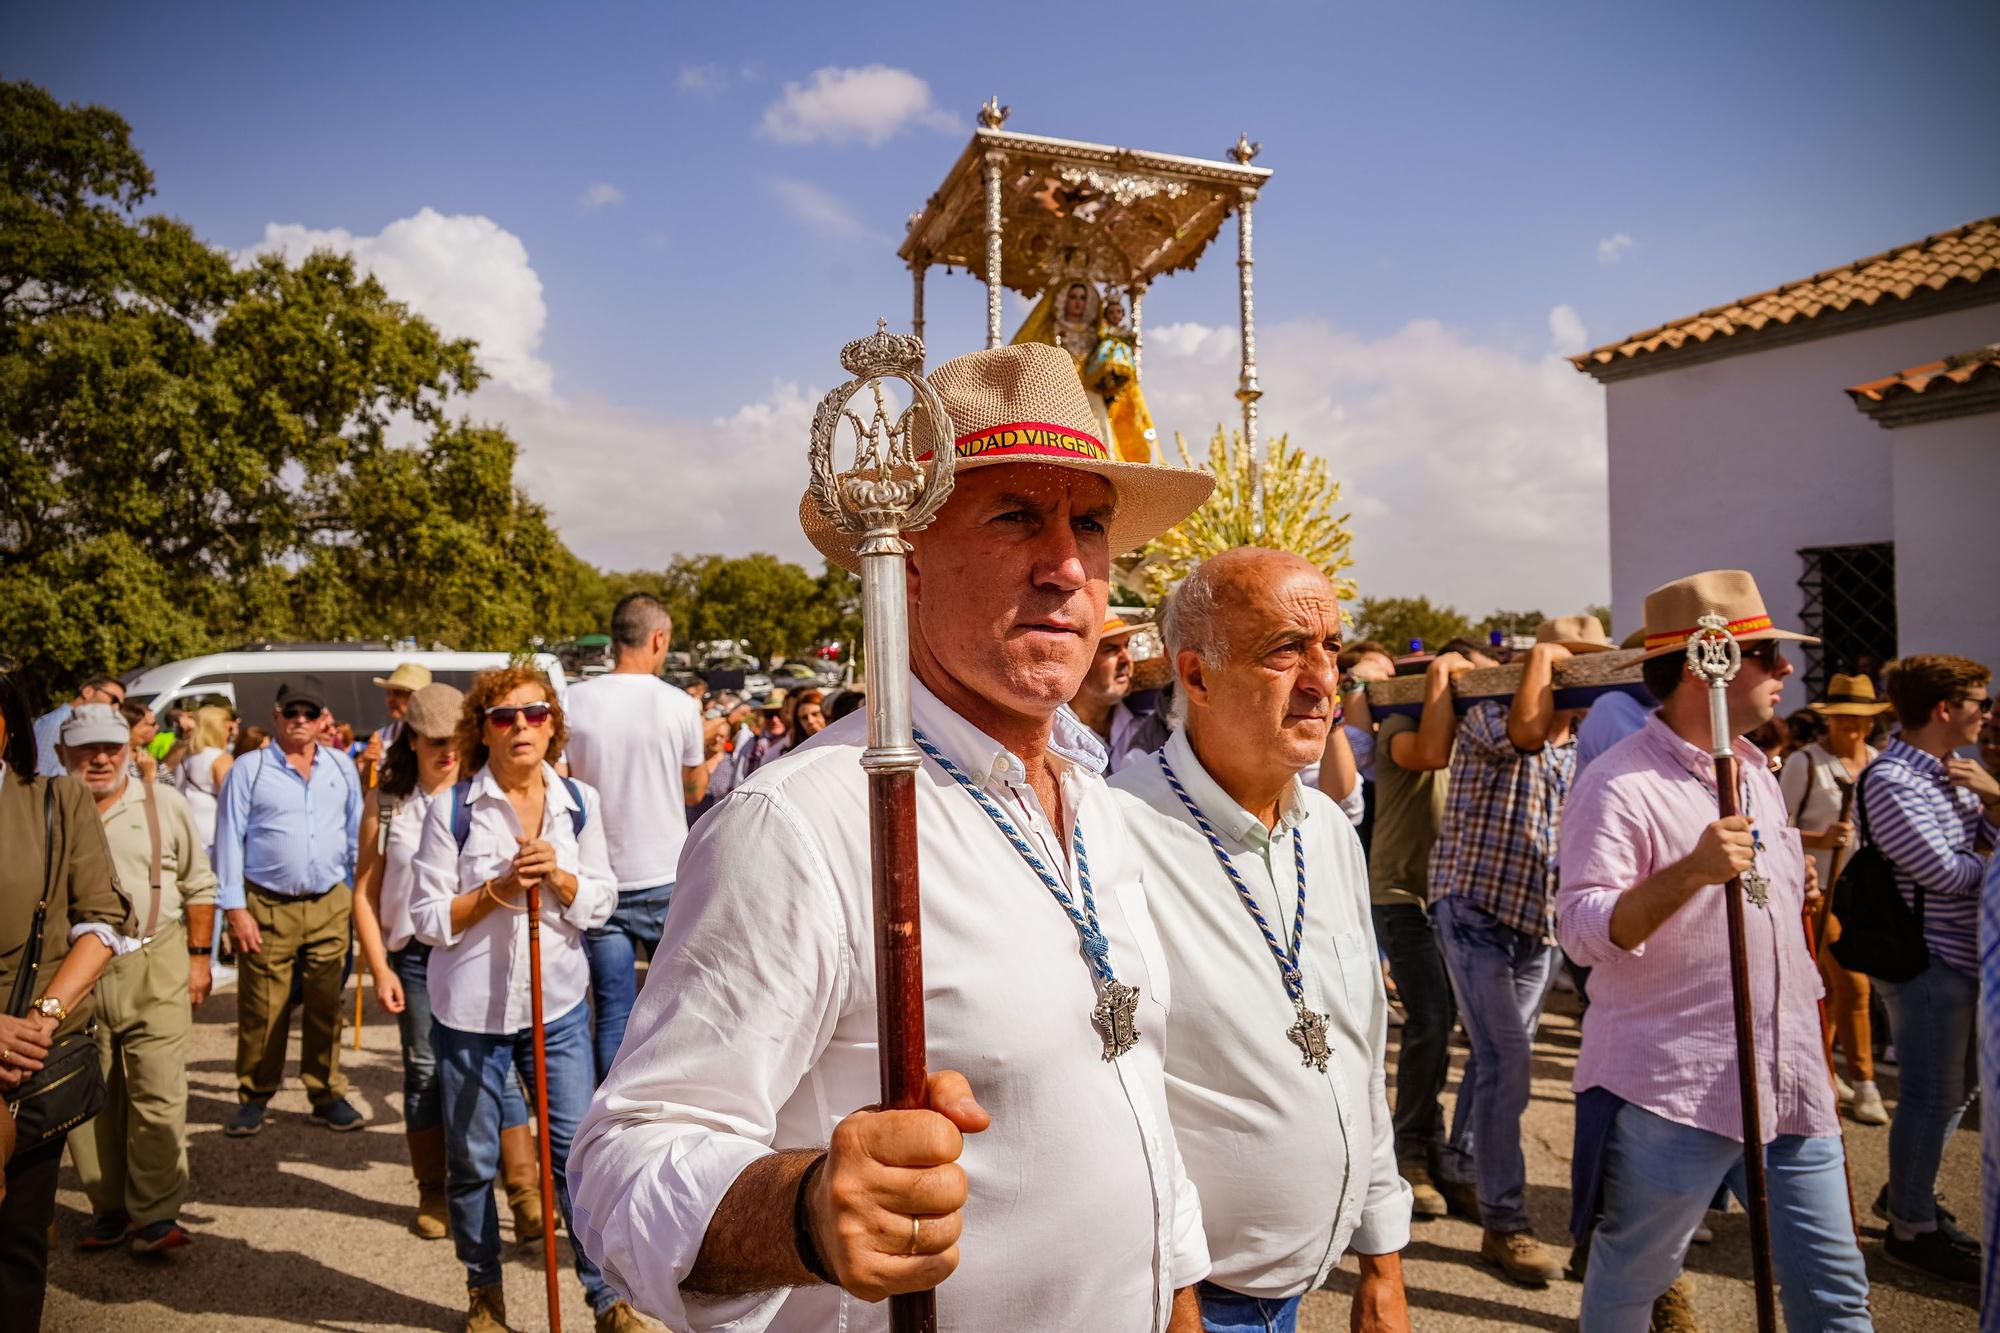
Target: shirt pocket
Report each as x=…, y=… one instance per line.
x=1358, y=969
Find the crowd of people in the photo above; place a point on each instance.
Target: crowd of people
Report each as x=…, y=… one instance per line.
x=1172, y=910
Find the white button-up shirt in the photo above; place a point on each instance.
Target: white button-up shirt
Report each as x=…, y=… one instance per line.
x=478, y=979
x=757, y=1030
x=1293, y=1165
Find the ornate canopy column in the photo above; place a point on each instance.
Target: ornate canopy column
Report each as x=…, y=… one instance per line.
x=1139, y=329
x=995, y=159
x=1247, y=390
x=917, y=270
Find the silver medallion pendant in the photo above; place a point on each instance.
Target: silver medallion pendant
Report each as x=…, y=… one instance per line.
x=1116, y=1018
x=1309, y=1035
x=1756, y=888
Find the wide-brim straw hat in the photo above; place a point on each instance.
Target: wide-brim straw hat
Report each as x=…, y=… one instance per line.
x=407, y=676
x=1579, y=634
x=1117, y=627
x=1674, y=611
x=1025, y=404
x=1851, y=696
x=434, y=711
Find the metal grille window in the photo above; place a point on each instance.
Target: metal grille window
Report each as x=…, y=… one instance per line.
x=1850, y=603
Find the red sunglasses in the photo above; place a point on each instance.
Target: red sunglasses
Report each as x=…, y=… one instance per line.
x=503, y=715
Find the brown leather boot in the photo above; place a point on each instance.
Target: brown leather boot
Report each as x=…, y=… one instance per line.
x=427, y=1163
x=521, y=1173
x=1520, y=1256
x=486, y=1310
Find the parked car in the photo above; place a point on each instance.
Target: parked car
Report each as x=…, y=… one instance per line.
x=249, y=678
x=738, y=672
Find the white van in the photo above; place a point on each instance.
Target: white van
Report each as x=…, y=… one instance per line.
x=249, y=679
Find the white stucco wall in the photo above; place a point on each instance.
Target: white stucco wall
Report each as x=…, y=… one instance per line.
x=1947, y=506
x=1739, y=462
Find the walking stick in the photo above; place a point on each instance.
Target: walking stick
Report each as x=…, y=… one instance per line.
x=542, y=1105
x=888, y=492
x=1714, y=657
x=1815, y=923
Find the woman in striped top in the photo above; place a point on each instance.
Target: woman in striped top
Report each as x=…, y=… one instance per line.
x=1933, y=815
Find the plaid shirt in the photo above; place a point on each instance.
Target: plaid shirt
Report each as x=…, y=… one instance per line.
x=1497, y=845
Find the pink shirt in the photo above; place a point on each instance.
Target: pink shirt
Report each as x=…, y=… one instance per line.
x=1659, y=1031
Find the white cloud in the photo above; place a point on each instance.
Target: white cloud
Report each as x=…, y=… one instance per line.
x=870, y=105
x=820, y=209
x=466, y=274
x=1474, y=474
x=1612, y=248
x=702, y=80
x=600, y=194
x=1566, y=331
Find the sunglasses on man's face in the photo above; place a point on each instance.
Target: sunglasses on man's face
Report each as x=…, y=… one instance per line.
x=302, y=712
x=1764, y=653
x=1980, y=705
x=504, y=715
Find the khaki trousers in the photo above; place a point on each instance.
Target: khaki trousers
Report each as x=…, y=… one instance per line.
x=133, y=1156
x=309, y=935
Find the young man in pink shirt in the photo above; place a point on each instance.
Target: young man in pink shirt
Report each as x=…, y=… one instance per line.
x=1643, y=859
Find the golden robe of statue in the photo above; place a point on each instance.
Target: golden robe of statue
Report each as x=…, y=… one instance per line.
x=1097, y=332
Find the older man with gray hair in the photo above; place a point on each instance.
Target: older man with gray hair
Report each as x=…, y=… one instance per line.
x=1258, y=888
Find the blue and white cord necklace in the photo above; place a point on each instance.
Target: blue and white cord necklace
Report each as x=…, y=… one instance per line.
x=1309, y=1032
x=1116, y=1015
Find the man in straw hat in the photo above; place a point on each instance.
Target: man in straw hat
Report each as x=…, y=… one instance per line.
x=1101, y=702
x=729, y=1173
x=1492, y=885
x=397, y=688
x=1275, y=1069
x=1660, y=1123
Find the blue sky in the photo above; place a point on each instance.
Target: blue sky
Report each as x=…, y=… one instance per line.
x=1452, y=183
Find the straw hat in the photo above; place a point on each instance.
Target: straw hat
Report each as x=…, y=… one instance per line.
x=1025, y=404
x=1851, y=696
x=1673, y=610
x=407, y=676
x=1579, y=634
x=1117, y=627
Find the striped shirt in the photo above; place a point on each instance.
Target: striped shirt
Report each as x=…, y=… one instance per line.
x=1496, y=847
x=1928, y=829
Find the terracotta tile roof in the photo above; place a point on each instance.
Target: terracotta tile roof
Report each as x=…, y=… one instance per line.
x=1971, y=367
x=1964, y=255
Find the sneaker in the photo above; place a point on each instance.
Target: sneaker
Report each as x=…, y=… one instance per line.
x=1425, y=1201
x=1461, y=1198
x=1520, y=1256
x=1704, y=1234
x=249, y=1118
x=1867, y=1108
x=338, y=1115
x=1673, y=1312
x=622, y=1318
x=1932, y=1252
x=486, y=1310
x=1841, y=1089
x=157, y=1238
x=106, y=1231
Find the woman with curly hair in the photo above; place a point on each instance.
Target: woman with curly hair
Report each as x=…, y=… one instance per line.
x=510, y=824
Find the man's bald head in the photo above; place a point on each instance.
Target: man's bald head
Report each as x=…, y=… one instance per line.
x=1209, y=607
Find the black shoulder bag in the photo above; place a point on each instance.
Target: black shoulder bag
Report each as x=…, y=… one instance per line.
x=69, y=1087
x=1879, y=935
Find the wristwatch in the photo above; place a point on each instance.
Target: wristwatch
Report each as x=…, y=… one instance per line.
x=200, y=951
x=51, y=1007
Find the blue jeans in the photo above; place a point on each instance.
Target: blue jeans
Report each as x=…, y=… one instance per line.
x=1224, y=1311
x=423, y=1105
x=1501, y=977
x=1933, y=1016
x=1660, y=1177
x=475, y=1070
x=614, y=963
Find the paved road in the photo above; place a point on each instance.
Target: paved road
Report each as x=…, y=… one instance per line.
x=300, y=1228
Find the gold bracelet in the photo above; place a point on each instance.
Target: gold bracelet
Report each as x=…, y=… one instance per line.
x=498, y=901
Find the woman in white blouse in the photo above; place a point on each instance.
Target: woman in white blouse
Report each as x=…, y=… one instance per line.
x=1813, y=781
x=420, y=763
x=514, y=824
x=200, y=774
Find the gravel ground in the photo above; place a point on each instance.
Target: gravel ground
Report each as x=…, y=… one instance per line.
x=301, y=1228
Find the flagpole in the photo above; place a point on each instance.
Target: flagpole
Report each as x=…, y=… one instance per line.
x=889, y=492
x=1714, y=657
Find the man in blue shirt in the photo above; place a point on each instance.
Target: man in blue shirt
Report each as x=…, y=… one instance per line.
x=285, y=835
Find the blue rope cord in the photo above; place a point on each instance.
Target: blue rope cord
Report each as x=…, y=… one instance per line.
x=1095, y=946
x=1288, y=961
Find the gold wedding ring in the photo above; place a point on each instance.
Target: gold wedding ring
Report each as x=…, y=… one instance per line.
x=916, y=1232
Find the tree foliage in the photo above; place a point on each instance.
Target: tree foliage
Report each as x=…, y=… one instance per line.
x=1396, y=621
x=193, y=453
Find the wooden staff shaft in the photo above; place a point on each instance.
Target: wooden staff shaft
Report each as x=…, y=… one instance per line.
x=546, y=1163
x=899, y=980
x=1746, y=1069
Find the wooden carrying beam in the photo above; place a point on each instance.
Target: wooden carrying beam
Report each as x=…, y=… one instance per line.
x=1580, y=681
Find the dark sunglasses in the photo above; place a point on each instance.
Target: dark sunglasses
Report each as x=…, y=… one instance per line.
x=1764, y=653
x=1980, y=705
x=302, y=712
x=503, y=715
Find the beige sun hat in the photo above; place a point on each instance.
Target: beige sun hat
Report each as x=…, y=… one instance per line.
x=409, y=676
x=434, y=710
x=1118, y=627
x=1850, y=696
x=1579, y=634
x=1674, y=610
x=1025, y=404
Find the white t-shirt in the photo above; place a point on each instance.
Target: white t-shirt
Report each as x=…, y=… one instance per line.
x=630, y=736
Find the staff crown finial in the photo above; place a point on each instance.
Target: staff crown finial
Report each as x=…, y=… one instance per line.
x=888, y=490
x=1713, y=653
